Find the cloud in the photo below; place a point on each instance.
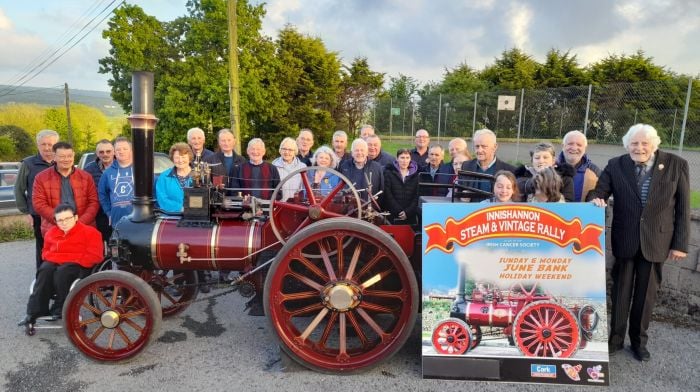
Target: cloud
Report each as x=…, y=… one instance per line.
x=5, y=22
x=520, y=17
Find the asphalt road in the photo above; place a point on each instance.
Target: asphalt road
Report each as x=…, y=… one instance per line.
x=213, y=346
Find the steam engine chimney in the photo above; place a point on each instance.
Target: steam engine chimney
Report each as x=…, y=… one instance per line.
x=143, y=124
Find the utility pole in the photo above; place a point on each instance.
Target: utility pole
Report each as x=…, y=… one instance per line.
x=70, y=128
x=234, y=86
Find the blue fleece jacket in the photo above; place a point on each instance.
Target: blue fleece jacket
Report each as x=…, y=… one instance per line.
x=116, y=191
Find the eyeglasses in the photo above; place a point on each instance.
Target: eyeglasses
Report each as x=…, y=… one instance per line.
x=65, y=220
x=287, y=149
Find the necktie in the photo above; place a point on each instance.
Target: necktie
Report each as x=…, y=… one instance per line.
x=641, y=171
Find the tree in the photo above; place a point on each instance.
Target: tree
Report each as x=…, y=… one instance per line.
x=635, y=68
x=20, y=143
x=358, y=87
x=189, y=58
x=560, y=70
x=513, y=70
x=29, y=117
x=308, y=77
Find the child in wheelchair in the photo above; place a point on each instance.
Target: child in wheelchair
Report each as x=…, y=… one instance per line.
x=71, y=250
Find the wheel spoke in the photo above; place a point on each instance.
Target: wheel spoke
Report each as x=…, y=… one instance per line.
x=90, y=321
x=370, y=264
x=342, y=339
x=371, y=323
x=306, y=309
x=400, y=295
x=326, y=261
x=123, y=336
x=329, y=197
x=376, y=278
x=313, y=324
x=376, y=307
x=298, y=296
x=163, y=293
x=91, y=308
x=311, y=267
x=306, y=281
x=292, y=207
x=102, y=298
x=115, y=296
x=110, y=342
x=308, y=189
x=353, y=261
x=358, y=330
x=133, y=324
x=97, y=333
x=133, y=313
x=327, y=329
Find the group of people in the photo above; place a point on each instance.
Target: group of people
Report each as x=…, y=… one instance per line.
x=650, y=188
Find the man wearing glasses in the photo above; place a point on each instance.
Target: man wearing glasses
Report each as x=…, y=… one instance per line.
x=71, y=249
x=104, y=152
x=64, y=184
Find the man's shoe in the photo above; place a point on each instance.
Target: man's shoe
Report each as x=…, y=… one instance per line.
x=613, y=348
x=25, y=321
x=641, y=354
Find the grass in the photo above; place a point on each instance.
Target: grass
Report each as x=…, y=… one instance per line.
x=694, y=199
x=16, y=231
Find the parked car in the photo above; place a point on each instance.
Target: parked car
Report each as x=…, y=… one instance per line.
x=7, y=188
x=9, y=165
x=161, y=162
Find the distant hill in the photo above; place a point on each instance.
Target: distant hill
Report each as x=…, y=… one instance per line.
x=54, y=96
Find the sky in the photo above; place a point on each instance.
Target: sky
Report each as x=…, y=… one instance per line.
x=417, y=38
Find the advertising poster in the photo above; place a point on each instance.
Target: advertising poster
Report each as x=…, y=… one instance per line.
x=515, y=292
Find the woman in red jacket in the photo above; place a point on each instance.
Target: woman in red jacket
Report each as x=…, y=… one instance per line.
x=71, y=249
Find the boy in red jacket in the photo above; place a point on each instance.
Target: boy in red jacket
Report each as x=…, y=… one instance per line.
x=71, y=249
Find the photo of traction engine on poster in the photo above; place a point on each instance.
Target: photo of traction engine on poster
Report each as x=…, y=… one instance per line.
x=515, y=292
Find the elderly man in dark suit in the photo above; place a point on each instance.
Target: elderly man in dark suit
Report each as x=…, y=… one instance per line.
x=651, y=219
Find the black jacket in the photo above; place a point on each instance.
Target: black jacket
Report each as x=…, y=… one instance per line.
x=30, y=167
x=400, y=195
x=527, y=187
x=660, y=225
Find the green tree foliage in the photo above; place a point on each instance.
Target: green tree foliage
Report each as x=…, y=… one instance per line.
x=358, y=87
x=560, y=70
x=88, y=125
x=137, y=43
x=309, y=80
x=635, y=68
x=513, y=70
x=15, y=143
x=29, y=117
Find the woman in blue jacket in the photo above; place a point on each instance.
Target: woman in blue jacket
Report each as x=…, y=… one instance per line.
x=169, y=186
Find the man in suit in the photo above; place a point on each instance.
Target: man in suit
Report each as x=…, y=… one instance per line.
x=485, y=161
x=651, y=219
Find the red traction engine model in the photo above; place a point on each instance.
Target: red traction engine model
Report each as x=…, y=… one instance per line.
x=340, y=293
x=537, y=323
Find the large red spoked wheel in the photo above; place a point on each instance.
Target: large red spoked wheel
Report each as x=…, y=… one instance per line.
x=546, y=329
x=348, y=309
x=175, y=289
x=111, y=316
x=288, y=217
x=452, y=337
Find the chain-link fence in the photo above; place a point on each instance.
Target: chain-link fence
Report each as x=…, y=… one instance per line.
x=603, y=112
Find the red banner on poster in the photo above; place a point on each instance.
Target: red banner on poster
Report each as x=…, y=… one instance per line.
x=513, y=220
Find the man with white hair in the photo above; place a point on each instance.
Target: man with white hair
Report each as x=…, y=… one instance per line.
x=361, y=171
x=256, y=177
x=485, y=161
x=651, y=224
x=340, y=144
x=419, y=154
x=24, y=185
x=305, y=141
x=226, y=161
x=375, y=152
x=573, y=152
x=196, y=139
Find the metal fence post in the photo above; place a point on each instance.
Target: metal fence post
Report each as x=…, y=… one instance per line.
x=685, y=114
x=439, y=113
x=476, y=96
x=520, y=121
x=588, y=107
